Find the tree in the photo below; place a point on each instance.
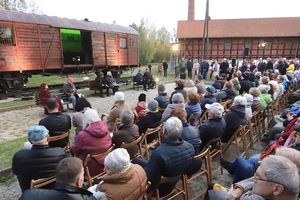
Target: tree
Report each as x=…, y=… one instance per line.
x=19, y=5
x=154, y=45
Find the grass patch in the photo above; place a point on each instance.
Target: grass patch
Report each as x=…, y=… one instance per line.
x=8, y=149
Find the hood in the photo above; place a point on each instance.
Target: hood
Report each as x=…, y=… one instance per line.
x=177, y=105
x=239, y=110
x=97, y=129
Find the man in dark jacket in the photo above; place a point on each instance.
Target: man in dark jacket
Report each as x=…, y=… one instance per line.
x=209, y=97
x=214, y=126
x=69, y=179
x=245, y=83
x=165, y=66
x=224, y=67
x=151, y=120
x=56, y=122
x=38, y=162
x=190, y=65
x=163, y=99
x=170, y=159
x=234, y=118
x=127, y=133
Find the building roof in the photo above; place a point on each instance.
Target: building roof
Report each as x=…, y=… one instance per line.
x=228, y=28
x=14, y=16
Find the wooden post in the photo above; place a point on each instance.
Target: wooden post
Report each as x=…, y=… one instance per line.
x=61, y=51
x=40, y=47
x=17, y=46
x=105, y=49
x=49, y=50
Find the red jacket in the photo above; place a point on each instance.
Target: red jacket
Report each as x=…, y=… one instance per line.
x=92, y=140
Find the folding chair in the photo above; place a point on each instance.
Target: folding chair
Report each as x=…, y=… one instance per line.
x=38, y=183
x=135, y=143
x=235, y=139
x=116, y=125
x=61, y=137
x=215, y=150
x=176, y=191
x=94, y=157
x=206, y=170
x=156, y=141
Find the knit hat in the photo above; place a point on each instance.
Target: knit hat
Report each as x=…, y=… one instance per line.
x=117, y=161
x=211, y=89
x=216, y=108
x=119, y=96
x=153, y=106
x=37, y=133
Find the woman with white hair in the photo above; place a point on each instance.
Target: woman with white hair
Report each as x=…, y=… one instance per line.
x=248, y=109
x=177, y=102
x=94, y=138
x=264, y=98
x=116, y=110
x=123, y=180
x=234, y=117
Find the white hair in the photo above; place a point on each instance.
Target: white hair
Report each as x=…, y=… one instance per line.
x=173, y=128
x=239, y=100
x=90, y=116
x=117, y=161
x=177, y=98
x=283, y=171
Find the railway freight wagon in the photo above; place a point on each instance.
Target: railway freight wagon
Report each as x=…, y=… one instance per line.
x=31, y=43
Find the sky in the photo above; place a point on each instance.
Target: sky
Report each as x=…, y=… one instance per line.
x=165, y=12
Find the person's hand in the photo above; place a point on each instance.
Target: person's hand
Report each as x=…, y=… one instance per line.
x=235, y=194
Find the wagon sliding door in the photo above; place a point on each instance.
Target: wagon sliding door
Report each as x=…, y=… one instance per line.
x=77, y=46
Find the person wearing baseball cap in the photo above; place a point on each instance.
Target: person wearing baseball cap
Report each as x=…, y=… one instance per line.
x=214, y=126
x=38, y=162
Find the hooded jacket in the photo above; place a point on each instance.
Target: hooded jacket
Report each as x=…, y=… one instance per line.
x=92, y=140
x=169, y=109
x=130, y=185
x=233, y=119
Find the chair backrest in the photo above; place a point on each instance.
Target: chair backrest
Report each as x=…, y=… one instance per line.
x=116, y=125
x=155, y=130
x=38, y=183
x=134, y=143
x=157, y=140
x=59, y=137
x=176, y=191
x=94, y=157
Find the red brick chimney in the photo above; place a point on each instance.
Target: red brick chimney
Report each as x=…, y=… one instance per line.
x=191, y=10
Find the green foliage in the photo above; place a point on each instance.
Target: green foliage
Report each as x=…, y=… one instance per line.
x=154, y=45
x=19, y=5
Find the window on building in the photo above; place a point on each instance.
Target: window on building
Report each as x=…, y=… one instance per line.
x=227, y=44
x=6, y=36
x=248, y=43
x=123, y=43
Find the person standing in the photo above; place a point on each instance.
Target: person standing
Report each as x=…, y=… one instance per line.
x=196, y=67
x=190, y=68
x=165, y=66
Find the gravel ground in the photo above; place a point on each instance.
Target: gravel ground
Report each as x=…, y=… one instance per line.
x=15, y=124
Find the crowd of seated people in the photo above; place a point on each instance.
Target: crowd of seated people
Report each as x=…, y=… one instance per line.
x=246, y=90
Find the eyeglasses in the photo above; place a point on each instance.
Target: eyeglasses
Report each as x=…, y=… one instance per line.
x=257, y=177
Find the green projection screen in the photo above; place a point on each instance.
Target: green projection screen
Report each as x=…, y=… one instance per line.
x=71, y=40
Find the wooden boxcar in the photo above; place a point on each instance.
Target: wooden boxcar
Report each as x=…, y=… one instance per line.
x=40, y=43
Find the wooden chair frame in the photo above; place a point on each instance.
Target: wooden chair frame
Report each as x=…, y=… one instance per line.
x=176, y=191
x=234, y=140
x=90, y=157
x=117, y=124
x=144, y=143
x=205, y=156
x=134, y=143
x=215, y=150
x=38, y=183
x=61, y=137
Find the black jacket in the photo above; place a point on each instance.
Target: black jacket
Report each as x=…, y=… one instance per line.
x=57, y=124
x=38, y=162
x=151, y=120
x=233, y=119
x=210, y=129
x=60, y=192
x=163, y=100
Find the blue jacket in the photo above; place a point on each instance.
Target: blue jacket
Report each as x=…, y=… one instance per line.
x=163, y=100
x=169, y=159
x=193, y=109
x=191, y=135
x=208, y=99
